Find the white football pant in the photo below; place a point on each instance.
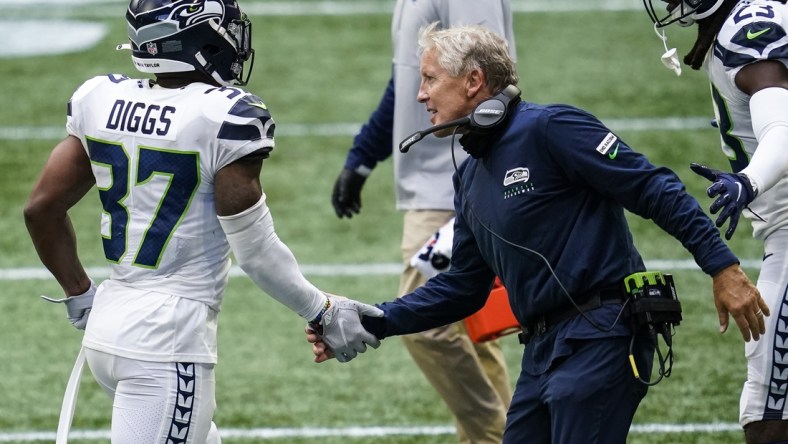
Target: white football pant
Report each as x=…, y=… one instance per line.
x=764, y=393
x=157, y=402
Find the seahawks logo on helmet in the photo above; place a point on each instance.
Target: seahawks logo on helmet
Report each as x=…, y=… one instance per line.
x=190, y=14
x=156, y=23
x=209, y=36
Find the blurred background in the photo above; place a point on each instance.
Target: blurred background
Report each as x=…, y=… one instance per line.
x=321, y=67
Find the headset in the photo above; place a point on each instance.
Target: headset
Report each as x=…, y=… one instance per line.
x=487, y=115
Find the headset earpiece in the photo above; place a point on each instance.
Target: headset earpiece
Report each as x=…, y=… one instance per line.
x=486, y=115
x=493, y=111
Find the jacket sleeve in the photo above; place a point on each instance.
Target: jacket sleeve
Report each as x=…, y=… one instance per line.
x=448, y=297
x=374, y=143
x=595, y=157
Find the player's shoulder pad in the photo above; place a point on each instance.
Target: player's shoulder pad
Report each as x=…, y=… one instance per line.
x=240, y=114
x=93, y=83
x=250, y=106
x=754, y=31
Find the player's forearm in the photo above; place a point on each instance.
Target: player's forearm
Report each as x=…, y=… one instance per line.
x=56, y=245
x=268, y=261
x=769, y=164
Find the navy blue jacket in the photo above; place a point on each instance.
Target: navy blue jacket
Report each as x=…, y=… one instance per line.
x=549, y=195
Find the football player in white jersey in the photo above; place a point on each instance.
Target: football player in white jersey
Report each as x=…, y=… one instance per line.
x=743, y=45
x=176, y=161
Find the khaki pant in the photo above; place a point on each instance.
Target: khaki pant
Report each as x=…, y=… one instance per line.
x=471, y=378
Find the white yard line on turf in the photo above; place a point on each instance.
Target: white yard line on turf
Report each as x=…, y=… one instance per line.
x=320, y=432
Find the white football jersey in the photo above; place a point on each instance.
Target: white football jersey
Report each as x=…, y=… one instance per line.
x=755, y=30
x=155, y=152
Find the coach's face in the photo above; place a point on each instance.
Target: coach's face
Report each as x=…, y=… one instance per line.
x=446, y=97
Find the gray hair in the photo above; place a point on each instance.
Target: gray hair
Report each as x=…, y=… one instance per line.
x=464, y=48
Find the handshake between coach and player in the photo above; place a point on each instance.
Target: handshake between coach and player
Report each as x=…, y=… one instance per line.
x=338, y=328
x=341, y=335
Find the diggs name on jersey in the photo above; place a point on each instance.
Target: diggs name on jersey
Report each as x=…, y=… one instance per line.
x=140, y=117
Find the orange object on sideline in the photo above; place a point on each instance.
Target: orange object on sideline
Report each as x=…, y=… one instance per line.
x=495, y=319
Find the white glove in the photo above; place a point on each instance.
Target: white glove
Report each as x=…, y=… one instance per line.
x=78, y=307
x=435, y=255
x=340, y=327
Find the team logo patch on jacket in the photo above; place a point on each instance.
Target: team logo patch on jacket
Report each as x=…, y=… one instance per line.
x=515, y=175
x=516, y=182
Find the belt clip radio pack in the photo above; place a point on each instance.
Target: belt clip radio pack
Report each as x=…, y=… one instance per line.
x=653, y=306
x=653, y=299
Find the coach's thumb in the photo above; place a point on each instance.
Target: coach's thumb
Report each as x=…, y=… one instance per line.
x=370, y=310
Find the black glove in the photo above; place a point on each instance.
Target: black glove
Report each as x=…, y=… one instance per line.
x=346, y=196
x=735, y=192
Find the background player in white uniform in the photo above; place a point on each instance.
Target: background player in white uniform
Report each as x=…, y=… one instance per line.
x=744, y=48
x=177, y=163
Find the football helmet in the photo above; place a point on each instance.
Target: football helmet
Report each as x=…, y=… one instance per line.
x=683, y=12
x=210, y=36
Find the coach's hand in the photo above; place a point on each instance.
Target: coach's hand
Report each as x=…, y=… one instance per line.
x=319, y=349
x=346, y=196
x=78, y=307
x=735, y=295
x=735, y=192
x=341, y=330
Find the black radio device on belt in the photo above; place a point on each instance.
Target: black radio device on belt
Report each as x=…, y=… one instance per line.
x=653, y=299
x=654, y=307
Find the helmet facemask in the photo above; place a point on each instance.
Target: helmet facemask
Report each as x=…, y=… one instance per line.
x=683, y=12
x=241, y=31
x=212, y=58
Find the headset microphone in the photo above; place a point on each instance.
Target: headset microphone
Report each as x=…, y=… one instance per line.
x=487, y=114
x=405, y=145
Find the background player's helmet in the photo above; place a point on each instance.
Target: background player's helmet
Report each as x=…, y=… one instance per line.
x=210, y=36
x=683, y=12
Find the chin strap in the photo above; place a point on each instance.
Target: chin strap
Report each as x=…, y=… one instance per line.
x=669, y=58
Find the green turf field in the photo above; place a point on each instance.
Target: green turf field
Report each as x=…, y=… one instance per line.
x=319, y=72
